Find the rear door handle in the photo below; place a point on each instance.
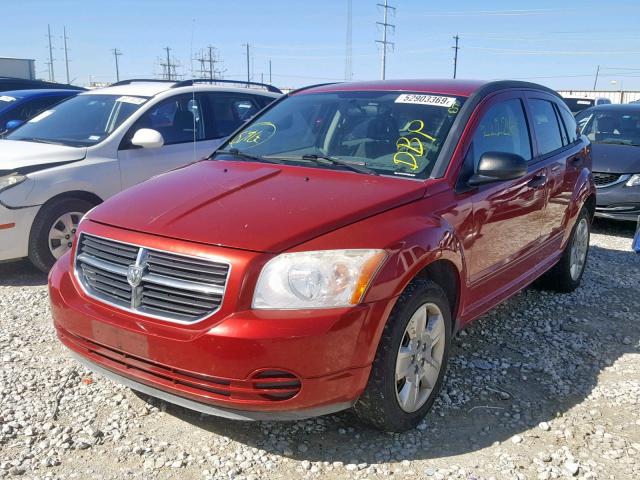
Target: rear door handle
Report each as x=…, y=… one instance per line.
x=538, y=181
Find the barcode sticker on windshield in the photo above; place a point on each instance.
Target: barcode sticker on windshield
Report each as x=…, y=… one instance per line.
x=42, y=115
x=7, y=98
x=134, y=100
x=435, y=100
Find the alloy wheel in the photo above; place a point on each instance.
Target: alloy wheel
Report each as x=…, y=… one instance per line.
x=579, y=248
x=419, y=357
x=62, y=233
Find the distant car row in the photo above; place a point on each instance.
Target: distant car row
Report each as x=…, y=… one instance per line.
x=75, y=154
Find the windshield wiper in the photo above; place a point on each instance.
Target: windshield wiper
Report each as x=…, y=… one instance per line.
x=322, y=159
x=246, y=156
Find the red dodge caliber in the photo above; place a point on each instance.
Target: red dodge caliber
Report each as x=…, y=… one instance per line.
x=324, y=256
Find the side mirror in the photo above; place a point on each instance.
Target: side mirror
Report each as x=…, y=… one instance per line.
x=498, y=166
x=636, y=239
x=13, y=124
x=147, y=138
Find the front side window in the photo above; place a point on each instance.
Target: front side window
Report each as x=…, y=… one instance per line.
x=81, y=121
x=611, y=126
x=503, y=128
x=391, y=133
x=178, y=119
x=546, y=126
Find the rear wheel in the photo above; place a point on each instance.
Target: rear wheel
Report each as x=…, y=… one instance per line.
x=411, y=360
x=53, y=230
x=566, y=275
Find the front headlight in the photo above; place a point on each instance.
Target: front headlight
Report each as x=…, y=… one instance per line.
x=320, y=279
x=634, y=181
x=11, y=180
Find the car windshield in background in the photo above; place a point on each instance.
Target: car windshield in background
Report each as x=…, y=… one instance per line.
x=6, y=101
x=578, y=104
x=80, y=121
x=389, y=133
x=610, y=126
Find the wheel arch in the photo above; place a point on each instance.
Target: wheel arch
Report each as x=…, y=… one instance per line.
x=445, y=273
x=76, y=194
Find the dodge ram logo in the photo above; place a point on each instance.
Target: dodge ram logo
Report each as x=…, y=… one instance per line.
x=134, y=275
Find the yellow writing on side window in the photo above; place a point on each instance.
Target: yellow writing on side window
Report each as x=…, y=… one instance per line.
x=255, y=135
x=411, y=146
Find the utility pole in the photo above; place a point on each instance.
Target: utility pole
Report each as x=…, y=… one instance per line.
x=270, y=81
x=51, y=75
x=247, y=46
x=211, y=62
x=455, y=55
x=348, y=56
x=595, y=82
x=116, y=54
x=169, y=67
x=66, y=55
x=384, y=43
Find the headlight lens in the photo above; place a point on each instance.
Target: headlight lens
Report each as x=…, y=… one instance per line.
x=634, y=181
x=319, y=279
x=11, y=180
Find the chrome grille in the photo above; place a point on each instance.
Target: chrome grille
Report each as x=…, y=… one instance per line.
x=156, y=283
x=605, y=179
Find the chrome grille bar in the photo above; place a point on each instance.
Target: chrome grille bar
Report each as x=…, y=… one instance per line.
x=155, y=283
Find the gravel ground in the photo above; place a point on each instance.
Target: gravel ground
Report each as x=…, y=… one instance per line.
x=545, y=386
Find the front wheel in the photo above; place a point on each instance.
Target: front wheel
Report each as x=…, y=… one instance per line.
x=411, y=360
x=54, y=229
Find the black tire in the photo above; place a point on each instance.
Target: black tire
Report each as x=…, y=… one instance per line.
x=559, y=278
x=379, y=406
x=39, y=252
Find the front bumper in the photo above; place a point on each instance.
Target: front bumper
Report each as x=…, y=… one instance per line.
x=215, y=367
x=15, y=227
x=618, y=202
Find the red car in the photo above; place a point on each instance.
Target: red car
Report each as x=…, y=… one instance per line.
x=324, y=256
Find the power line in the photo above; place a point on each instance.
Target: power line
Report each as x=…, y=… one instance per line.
x=66, y=55
x=384, y=43
x=51, y=74
x=348, y=59
x=116, y=54
x=455, y=55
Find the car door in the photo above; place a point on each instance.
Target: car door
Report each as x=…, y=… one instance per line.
x=507, y=214
x=183, y=125
x=558, y=149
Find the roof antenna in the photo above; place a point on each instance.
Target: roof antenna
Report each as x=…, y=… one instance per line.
x=193, y=91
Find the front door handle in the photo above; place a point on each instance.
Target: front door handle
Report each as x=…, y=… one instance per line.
x=538, y=181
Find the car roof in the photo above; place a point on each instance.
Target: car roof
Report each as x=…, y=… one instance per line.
x=151, y=89
x=617, y=107
x=35, y=92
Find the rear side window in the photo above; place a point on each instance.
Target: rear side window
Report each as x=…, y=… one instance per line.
x=569, y=124
x=228, y=112
x=503, y=128
x=546, y=126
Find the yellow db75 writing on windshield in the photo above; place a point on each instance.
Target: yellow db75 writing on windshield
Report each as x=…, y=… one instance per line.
x=255, y=135
x=411, y=146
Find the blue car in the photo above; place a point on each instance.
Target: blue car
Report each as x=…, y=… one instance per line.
x=18, y=106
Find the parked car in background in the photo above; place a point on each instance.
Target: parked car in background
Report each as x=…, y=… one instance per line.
x=71, y=157
x=11, y=83
x=20, y=105
x=324, y=256
x=577, y=104
x=614, y=131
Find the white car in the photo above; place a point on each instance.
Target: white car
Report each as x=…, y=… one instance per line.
x=68, y=159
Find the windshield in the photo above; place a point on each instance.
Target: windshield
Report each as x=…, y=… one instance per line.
x=80, y=121
x=388, y=133
x=610, y=126
x=7, y=101
x=578, y=104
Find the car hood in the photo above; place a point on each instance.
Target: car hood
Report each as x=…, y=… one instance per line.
x=610, y=158
x=252, y=206
x=26, y=157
